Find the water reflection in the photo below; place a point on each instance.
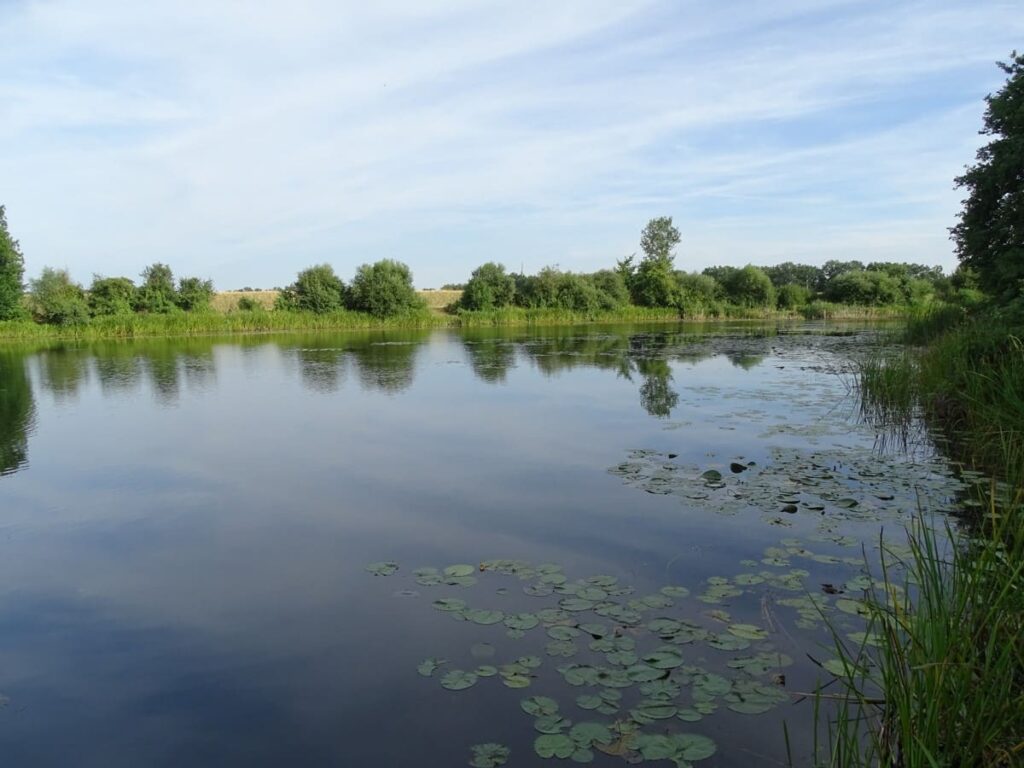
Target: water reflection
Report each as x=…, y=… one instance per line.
x=377, y=362
x=17, y=412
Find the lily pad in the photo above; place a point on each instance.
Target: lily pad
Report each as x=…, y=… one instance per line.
x=489, y=755
x=554, y=745
x=428, y=667
x=539, y=706
x=385, y=568
x=748, y=631
x=458, y=680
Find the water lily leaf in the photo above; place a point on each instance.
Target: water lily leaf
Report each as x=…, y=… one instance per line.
x=521, y=621
x=428, y=667
x=675, y=591
x=762, y=663
x=712, y=476
x=485, y=670
x=489, y=755
x=515, y=681
x=458, y=680
x=383, y=568
x=450, y=604
x=586, y=701
x=595, y=630
x=484, y=617
x=563, y=632
x=665, y=657
x=539, y=706
x=689, y=715
x=551, y=723
x=554, y=745
x=748, y=631
x=587, y=734
x=563, y=648
x=576, y=604
x=458, y=571
x=726, y=642
x=579, y=674
x=529, y=662
x=582, y=756
x=853, y=607
x=642, y=673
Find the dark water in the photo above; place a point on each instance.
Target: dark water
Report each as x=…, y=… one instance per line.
x=185, y=527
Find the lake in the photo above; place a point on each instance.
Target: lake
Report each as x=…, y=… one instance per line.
x=247, y=551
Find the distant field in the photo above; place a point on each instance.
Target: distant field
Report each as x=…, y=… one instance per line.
x=438, y=300
x=225, y=301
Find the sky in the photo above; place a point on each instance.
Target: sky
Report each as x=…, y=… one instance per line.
x=243, y=141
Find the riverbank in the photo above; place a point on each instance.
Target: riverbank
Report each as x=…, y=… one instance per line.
x=263, y=321
x=945, y=684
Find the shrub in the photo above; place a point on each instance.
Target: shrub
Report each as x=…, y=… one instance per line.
x=489, y=286
x=156, y=294
x=384, y=289
x=57, y=300
x=864, y=287
x=792, y=296
x=611, y=288
x=249, y=304
x=194, y=294
x=697, y=293
x=316, y=289
x=111, y=296
x=750, y=287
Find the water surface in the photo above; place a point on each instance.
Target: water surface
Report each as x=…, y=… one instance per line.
x=185, y=527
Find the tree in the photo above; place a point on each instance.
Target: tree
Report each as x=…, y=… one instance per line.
x=194, y=294
x=792, y=296
x=990, y=235
x=57, y=300
x=697, y=292
x=750, y=287
x=316, y=289
x=611, y=288
x=659, y=239
x=384, y=289
x=489, y=286
x=12, y=272
x=111, y=296
x=156, y=294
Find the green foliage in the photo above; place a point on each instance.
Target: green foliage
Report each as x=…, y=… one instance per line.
x=793, y=296
x=384, y=289
x=194, y=294
x=56, y=299
x=659, y=239
x=750, y=287
x=697, y=293
x=789, y=273
x=990, y=235
x=249, y=304
x=489, y=286
x=316, y=289
x=111, y=296
x=611, y=287
x=12, y=272
x=156, y=294
x=865, y=287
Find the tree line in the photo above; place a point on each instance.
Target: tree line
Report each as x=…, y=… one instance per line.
x=653, y=281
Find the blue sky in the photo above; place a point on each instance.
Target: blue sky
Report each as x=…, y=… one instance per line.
x=243, y=141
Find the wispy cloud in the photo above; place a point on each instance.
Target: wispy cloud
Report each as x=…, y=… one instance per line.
x=243, y=141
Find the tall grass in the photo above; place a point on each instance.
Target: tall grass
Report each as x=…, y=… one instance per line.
x=945, y=687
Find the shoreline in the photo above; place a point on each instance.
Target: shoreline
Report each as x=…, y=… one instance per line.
x=186, y=325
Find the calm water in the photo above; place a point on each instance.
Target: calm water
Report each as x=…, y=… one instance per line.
x=185, y=528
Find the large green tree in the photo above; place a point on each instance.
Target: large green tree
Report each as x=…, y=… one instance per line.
x=12, y=272
x=990, y=235
x=489, y=286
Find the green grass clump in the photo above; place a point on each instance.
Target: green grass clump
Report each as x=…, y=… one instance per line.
x=945, y=686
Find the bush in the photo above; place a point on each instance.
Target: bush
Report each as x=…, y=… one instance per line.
x=793, y=296
x=194, y=294
x=697, y=293
x=864, y=287
x=488, y=287
x=654, y=284
x=316, y=289
x=111, y=296
x=56, y=299
x=611, y=288
x=156, y=294
x=384, y=289
x=249, y=304
x=750, y=287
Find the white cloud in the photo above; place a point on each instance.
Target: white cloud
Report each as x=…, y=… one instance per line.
x=244, y=141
